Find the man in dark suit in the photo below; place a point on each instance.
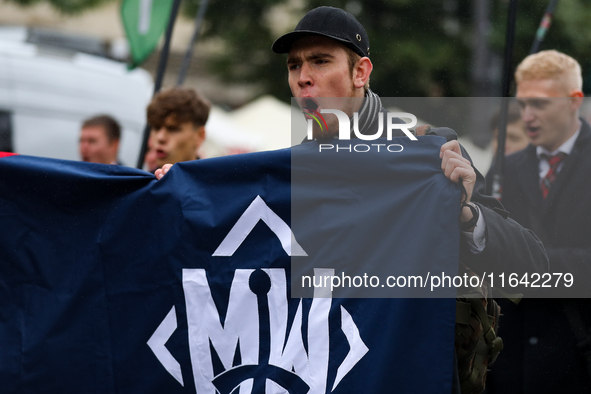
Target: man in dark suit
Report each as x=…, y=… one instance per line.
x=548, y=189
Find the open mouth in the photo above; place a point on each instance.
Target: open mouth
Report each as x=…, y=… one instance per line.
x=532, y=131
x=309, y=107
x=310, y=104
x=160, y=154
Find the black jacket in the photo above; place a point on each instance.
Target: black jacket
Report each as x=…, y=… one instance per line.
x=541, y=354
x=510, y=248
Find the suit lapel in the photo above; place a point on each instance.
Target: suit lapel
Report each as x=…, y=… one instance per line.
x=527, y=175
x=529, y=179
x=569, y=166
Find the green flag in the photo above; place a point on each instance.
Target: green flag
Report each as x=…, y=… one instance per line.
x=144, y=22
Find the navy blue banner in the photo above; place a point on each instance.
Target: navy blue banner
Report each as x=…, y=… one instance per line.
x=113, y=282
x=380, y=214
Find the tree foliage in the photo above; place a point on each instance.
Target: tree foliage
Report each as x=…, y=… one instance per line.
x=418, y=47
x=569, y=32
x=243, y=37
x=70, y=7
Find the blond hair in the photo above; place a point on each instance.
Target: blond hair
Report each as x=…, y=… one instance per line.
x=551, y=64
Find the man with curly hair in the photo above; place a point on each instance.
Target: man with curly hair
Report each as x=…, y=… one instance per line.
x=177, y=120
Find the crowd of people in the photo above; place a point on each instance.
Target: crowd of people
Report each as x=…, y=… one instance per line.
x=176, y=118
x=543, y=224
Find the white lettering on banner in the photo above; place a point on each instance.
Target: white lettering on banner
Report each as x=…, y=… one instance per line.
x=256, y=325
x=241, y=326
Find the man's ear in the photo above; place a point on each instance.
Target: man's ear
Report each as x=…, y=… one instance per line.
x=361, y=72
x=200, y=136
x=577, y=97
x=114, y=145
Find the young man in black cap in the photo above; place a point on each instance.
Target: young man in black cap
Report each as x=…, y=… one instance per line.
x=328, y=56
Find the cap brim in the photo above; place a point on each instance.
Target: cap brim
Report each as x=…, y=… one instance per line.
x=284, y=43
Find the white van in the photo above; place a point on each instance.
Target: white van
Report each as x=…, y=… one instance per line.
x=47, y=91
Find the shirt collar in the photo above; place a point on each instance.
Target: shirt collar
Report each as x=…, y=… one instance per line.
x=566, y=148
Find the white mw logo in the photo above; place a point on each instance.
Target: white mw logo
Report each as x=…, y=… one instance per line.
x=273, y=358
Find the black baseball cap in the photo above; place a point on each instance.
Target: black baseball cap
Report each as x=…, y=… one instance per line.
x=327, y=22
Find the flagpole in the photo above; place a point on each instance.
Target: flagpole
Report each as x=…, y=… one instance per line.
x=159, y=75
x=189, y=54
x=544, y=26
x=498, y=177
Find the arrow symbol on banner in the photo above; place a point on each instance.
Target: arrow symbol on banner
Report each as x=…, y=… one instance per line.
x=357, y=348
x=159, y=339
x=259, y=210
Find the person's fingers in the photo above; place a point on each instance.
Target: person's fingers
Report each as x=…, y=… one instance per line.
x=453, y=163
x=453, y=146
x=457, y=168
x=461, y=173
x=159, y=173
x=450, y=151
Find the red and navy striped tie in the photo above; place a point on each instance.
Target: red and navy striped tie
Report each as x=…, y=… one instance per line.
x=554, y=162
